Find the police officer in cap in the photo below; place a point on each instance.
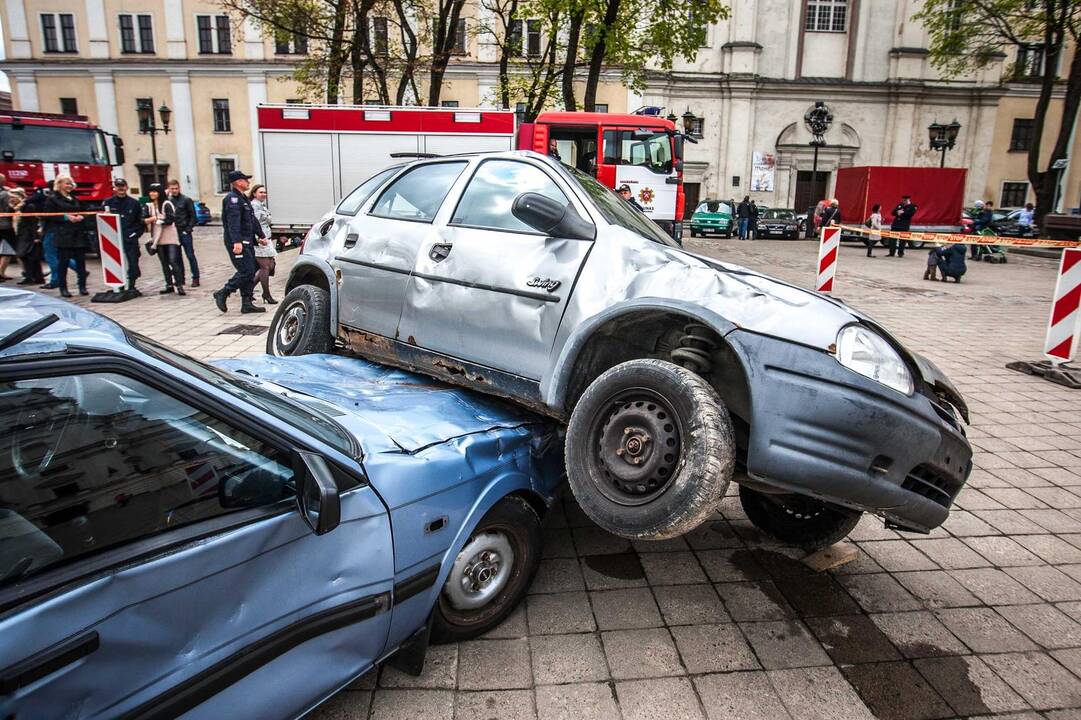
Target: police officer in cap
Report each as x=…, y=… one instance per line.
x=624, y=192
x=241, y=229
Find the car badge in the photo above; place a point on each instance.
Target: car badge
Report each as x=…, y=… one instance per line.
x=546, y=283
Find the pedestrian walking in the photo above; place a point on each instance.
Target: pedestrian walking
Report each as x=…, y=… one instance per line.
x=743, y=217
x=951, y=261
x=132, y=227
x=1025, y=218
x=7, y=229
x=28, y=238
x=185, y=223
x=902, y=222
x=628, y=196
x=832, y=214
x=68, y=236
x=265, y=252
x=160, y=218
x=874, y=221
x=752, y=221
x=241, y=230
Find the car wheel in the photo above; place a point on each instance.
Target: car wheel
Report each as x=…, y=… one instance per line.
x=650, y=450
x=301, y=326
x=727, y=236
x=917, y=244
x=694, y=233
x=796, y=519
x=491, y=574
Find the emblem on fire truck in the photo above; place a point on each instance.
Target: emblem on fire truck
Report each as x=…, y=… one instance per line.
x=646, y=196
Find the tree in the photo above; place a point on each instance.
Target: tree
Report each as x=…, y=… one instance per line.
x=444, y=42
x=970, y=34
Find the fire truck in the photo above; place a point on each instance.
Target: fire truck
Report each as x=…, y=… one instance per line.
x=312, y=155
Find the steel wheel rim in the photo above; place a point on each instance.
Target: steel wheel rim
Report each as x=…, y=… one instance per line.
x=292, y=326
x=480, y=572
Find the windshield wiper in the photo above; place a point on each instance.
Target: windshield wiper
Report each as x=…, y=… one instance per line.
x=27, y=331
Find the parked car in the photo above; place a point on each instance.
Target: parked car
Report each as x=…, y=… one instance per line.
x=778, y=222
x=517, y=276
x=202, y=213
x=712, y=216
x=241, y=540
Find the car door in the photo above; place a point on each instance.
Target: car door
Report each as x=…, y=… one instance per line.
x=379, y=248
x=153, y=562
x=488, y=288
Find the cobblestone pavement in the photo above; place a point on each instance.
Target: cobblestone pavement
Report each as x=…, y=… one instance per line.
x=981, y=617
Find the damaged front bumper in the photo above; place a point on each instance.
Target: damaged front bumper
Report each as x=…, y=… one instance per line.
x=819, y=429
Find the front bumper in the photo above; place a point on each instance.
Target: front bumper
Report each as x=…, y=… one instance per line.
x=819, y=429
x=704, y=226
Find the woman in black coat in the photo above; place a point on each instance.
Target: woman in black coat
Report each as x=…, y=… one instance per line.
x=69, y=236
x=951, y=261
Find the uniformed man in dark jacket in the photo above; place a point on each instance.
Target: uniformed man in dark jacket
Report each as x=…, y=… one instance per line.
x=131, y=227
x=628, y=197
x=241, y=229
x=902, y=222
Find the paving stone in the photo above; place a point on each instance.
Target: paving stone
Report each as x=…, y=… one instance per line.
x=690, y=604
x=675, y=544
x=1042, y=682
x=559, y=613
x=557, y=575
x=862, y=565
x=1048, y=582
x=567, y=659
x=1053, y=520
x=558, y=543
x=1045, y=624
x=964, y=524
x=494, y=665
x=346, y=705
x=731, y=565
x=1051, y=549
x=1009, y=522
x=588, y=701
x=983, y=630
x=669, y=698
x=612, y=572
x=937, y=589
x=495, y=705
x=754, y=601
x=594, y=541
x=1002, y=551
x=879, y=592
x=1014, y=498
x=819, y=693
x=513, y=627
x=969, y=686
x=994, y=587
x=711, y=535
x=897, y=555
x=411, y=704
x=918, y=634
x=641, y=654
x=895, y=691
x=871, y=527
x=713, y=648
x=440, y=671
x=678, y=568
x=367, y=681
x=950, y=553
x=818, y=594
x=740, y=696
x=1070, y=659
x=784, y=644
x=625, y=609
x=850, y=639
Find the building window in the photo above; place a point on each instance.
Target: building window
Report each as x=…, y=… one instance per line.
x=696, y=127
x=1014, y=194
x=136, y=33
x=532, y=32
x=827, y=16
x=461, y=46
x=1029, y=63
x=213, y=31
x=58, y=33
x=379, y=36
x=142, y=104
x=290, y=44
x=448, y=103
x=222, y=123
x=69, y=106
x=1021, y=138
x=224, y=166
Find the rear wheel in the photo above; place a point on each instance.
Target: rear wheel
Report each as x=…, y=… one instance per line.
x=797, y=520
x=301, y=326
x=650, y=450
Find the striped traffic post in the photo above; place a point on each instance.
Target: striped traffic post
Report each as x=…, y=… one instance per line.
x=827, y=258
x=1065, y=317
x=114, y=266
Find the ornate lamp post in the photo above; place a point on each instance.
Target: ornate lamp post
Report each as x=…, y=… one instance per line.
x=688, y=121
x=148, y=126
x=943, y=137
x=817, y=119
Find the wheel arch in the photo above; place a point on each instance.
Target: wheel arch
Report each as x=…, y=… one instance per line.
x=311, y=271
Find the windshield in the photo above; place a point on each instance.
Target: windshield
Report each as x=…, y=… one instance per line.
x=778, y=214
x=616, y=211
x=650, y=149
x=301, y=411
x=714, y=206
x=45, y=143
x=351, y=203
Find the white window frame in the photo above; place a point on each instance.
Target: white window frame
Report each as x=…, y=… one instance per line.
x=139, y=49
x=214, y=116
x=59, y=33
x=815, y=9
x=217, y=173
x=215, y=46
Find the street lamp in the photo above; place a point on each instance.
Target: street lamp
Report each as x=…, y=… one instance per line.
x=943, y=137
x=689, y=119
x=145, y=110
x=817, y=119
x=672, y=118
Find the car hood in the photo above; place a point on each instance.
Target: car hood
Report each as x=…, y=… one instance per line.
x=387, y=410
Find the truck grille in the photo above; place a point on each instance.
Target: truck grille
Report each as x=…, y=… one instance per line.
x=931, y=484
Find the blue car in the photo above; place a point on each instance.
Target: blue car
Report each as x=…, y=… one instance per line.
x=241, y=541
x=202, y=213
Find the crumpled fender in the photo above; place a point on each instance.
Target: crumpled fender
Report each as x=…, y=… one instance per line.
x=305, y=263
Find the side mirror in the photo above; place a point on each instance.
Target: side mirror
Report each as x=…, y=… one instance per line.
x=551, y=217
x=118, y=150
x=317, y=493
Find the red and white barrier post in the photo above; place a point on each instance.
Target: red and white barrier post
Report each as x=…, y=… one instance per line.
x=1065, y=318
x=114, y=265
x=827, y=258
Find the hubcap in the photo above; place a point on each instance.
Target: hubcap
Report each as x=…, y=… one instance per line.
x=481, y=570
x=292, y=324
x=637, y=445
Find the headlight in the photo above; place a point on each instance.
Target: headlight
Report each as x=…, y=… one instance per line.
x=861, y=350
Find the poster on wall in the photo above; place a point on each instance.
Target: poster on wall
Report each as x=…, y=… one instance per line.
x=762, y=172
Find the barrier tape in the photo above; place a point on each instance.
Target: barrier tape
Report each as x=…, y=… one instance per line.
x=962, y=238
x=80, y=212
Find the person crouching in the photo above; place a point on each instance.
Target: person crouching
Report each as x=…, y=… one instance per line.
x=951, y=261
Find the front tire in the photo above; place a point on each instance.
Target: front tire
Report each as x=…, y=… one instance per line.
x=301, y=326
x=797, y=520
x=491, y=574
x=650, y=450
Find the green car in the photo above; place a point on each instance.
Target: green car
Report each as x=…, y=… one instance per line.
x=712, y=216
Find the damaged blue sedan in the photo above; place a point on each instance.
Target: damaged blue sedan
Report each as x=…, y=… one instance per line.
x=242, y=540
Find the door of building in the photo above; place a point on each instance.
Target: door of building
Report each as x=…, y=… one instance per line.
x=691, y=194
x=809, y=190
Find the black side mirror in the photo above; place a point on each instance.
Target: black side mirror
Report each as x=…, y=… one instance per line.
x=552, y=217
x=317, y=493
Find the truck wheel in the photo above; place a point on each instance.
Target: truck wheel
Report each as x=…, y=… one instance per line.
x=650, y=450
x=796, y=519
x=491, y=574
x=302, y=324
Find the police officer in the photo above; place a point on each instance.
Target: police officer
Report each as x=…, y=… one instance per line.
x=241, y=229
x=624, y=192
x=902, y=222
x=131, y=227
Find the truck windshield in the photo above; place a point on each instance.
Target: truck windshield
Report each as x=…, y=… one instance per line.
x=643, y=147
x=616, y=211
x=47, y=143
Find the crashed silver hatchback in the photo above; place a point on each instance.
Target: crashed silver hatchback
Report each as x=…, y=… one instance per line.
x=518, y=276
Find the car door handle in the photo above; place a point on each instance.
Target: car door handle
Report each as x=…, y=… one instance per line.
x=351, y=239
x=440, y=252
x=47, y=662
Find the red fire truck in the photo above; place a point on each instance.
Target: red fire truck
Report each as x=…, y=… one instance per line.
x=315, y=154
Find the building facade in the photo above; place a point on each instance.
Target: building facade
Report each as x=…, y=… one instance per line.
x=749, y=87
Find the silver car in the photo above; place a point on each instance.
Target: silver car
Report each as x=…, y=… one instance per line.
x=518, y=276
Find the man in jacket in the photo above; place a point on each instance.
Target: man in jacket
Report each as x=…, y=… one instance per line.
x=832, y=214
x=132, y=228
x=743, y=216
x=628, y=197
x=902, y=222
x=185, y=222
x=985, y=215
x=241, y=229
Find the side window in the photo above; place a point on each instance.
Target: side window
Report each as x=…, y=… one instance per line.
x=90, y=462
x=418, y=193
x=487, y=199
x=352, y=202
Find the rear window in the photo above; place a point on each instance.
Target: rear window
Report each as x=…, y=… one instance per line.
x=714, y=206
